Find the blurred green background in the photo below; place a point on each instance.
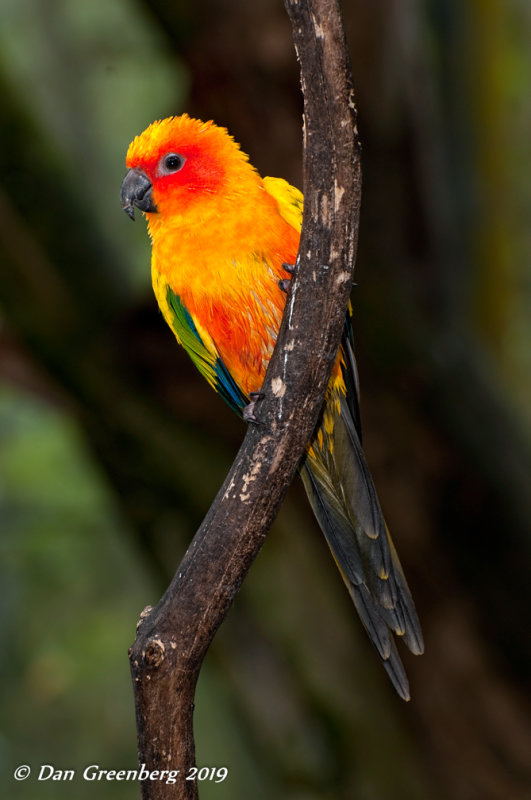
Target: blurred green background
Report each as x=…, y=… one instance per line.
x=111, y=447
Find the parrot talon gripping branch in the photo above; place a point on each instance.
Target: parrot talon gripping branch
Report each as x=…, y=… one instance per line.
x=248, y=410
x=289, y=268
x=223, y=239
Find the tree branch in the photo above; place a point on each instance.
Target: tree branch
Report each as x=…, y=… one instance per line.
x=173, y=637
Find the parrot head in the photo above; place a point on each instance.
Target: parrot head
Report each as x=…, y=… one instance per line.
x=178, y=164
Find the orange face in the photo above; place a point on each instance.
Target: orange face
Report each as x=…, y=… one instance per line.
x=185, y=160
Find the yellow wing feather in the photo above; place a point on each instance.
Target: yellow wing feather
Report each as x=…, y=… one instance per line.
x=290, y=200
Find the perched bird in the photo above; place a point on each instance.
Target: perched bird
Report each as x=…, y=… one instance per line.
x=223, y=240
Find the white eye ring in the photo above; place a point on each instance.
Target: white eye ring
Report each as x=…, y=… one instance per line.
x=171, y=163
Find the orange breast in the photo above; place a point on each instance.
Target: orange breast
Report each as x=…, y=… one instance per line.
x=227, y=277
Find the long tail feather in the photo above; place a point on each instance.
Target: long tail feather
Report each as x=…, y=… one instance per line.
x=344, y=500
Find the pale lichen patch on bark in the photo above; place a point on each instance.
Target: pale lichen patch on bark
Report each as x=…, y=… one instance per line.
x=252, y=475
x=339, y=191
x=278, y=387
x=343, y=277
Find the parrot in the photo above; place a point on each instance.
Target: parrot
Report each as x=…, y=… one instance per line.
x=224, y=244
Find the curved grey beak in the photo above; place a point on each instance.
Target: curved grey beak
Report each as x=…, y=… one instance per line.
x=136, y=191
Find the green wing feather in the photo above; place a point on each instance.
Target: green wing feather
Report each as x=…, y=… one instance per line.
x=207, y=361
x=344, y=500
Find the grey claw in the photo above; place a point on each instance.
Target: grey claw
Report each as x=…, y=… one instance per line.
x=284, y=284
x=289, y=268
x=248, y=411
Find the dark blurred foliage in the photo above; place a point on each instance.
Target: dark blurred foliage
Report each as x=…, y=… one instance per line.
x=112, y=447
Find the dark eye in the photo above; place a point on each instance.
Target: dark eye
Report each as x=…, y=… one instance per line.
x=173, y=162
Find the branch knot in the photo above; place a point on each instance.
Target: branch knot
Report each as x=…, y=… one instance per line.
x=154, y=654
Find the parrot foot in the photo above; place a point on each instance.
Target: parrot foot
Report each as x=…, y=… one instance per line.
x=248, y=411
x=284, y=283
